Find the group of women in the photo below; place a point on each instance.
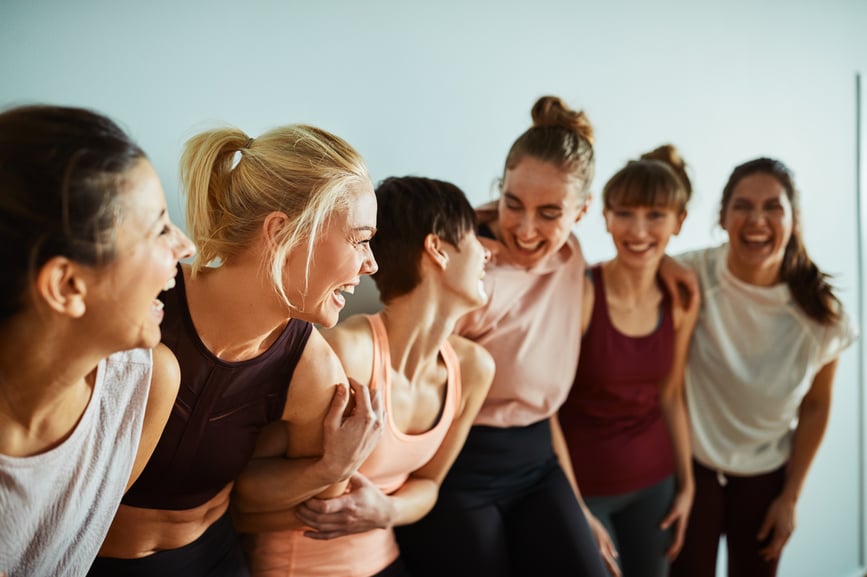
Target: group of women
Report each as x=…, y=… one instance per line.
x=208, y=418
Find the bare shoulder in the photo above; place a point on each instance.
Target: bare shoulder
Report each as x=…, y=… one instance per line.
x=352, y=342
x=165, y=380
x=166, y=377
x=477, y=364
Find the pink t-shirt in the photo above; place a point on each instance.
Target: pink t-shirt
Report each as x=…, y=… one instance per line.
x=397, y=455
x=532, y=327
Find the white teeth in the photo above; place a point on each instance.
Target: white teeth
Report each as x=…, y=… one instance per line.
x=170, y=284
x=349, y=289
x=527, y=245
x=756, y=238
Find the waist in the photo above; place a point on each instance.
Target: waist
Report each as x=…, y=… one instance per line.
x=364, y=554
x=138, y=532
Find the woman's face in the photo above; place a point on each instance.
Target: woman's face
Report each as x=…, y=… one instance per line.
x=465, y=270
x=539, y=205
x=148, y=247
x=641, y=233
x=759, y=219
x=340, y=256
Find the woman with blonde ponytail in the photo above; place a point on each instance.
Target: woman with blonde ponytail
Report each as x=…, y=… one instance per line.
x=625, y=418
x=283, y=224
x=759, y=375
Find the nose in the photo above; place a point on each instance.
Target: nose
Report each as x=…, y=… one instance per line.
x=526, y=228
x=368, y=265
x=184, y=247
x=756, y=215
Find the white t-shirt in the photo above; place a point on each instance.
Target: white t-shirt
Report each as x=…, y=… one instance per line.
x=56, y=507
x=753, y=357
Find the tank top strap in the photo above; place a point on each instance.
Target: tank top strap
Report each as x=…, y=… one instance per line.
x=381, y=371
x=453, y=385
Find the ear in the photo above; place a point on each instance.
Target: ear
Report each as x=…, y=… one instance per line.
x=433, y=247
x=680, y=220
x=606, y=214
x=62, y=287
x=584, y=207
x=272, y=225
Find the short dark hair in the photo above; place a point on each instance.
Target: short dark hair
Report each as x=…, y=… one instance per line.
x=408, y=209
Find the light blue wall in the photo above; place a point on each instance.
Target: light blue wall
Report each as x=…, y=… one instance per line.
x=442, y=89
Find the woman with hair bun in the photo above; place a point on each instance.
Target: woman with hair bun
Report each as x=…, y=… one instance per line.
x=506, y=506
x=625, y=419
x=283, y=224
x=759, y=375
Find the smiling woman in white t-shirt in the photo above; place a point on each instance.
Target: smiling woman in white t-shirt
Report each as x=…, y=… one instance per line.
x=759, y=375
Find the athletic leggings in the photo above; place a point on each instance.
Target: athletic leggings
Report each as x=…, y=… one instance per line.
x=733, y=506
x=632, y=520
x=505, y=509
x=217, y=553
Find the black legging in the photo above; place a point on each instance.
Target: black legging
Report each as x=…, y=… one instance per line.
x=505, y=509
x=217, y=553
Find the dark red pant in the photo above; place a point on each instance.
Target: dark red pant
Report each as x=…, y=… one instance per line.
x=735, y=508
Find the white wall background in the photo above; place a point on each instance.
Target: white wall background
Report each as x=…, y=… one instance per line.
x=441, y=88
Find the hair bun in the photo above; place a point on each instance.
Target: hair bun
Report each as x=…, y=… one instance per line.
x=669, y=154
x=551, y=111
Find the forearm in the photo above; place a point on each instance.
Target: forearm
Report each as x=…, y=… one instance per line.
x=677, y=421
x=413, y=500
x=812, y=423
x=265, y=522
x=277, y=484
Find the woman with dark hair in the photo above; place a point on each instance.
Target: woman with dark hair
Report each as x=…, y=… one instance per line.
x=759, y=375
x=432, y=381
x=86, y=247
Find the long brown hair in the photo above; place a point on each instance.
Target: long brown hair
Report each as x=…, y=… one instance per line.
x=809, y=285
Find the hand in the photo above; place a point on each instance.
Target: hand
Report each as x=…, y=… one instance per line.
x=779, y=524
x=606, y=546
x=351, y=429
x=681, y=282
x=678, y=516
x=362, y=508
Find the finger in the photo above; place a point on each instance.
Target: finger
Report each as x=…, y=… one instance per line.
x=362, y=394
x=612, y=566
x=669, y=519
x=676, y=542
x=765, y=529
x=325, y=535
x=338, y=406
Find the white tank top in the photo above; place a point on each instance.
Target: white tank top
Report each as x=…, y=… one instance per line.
x=56, y=507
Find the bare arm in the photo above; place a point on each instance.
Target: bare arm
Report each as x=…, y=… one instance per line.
x=674, y=412
x=813, y=414
x=365, y=507
x=165, y=380
x=681, y=281
x=327, y=436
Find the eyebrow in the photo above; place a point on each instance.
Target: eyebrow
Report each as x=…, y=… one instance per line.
x=372, y=229
x=159, y=218
x=511, y=196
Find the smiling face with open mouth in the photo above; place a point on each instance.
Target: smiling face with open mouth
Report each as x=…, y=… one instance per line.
x=341, y=255
x=759, y=219
x=539, y=206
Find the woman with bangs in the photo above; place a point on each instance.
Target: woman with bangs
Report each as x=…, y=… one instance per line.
x=625, y=419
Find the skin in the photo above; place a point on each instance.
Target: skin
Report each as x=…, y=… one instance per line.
x=760, y=219
x=75, y=318
x=238, y=315
x=417, y=323
x=641, y=235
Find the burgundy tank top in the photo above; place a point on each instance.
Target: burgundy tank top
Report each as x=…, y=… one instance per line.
x=617, y=438
x=220, y=409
